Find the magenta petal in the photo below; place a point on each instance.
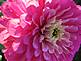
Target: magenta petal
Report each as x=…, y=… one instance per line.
x=40, y=30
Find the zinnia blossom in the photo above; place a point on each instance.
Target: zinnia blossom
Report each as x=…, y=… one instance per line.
x=40, y=30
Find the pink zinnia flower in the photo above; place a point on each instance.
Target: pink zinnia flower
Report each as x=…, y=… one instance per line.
x=40, y=30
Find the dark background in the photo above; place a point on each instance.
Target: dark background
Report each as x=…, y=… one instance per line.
x=77, y=55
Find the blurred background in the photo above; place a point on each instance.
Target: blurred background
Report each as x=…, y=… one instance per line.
x=77, y=55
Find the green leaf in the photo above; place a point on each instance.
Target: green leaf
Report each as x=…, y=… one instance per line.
x=1, y=14
x=0, y=57
x=1, y=1
x=1, y=47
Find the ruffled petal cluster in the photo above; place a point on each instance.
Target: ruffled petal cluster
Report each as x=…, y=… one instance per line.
x=40, y=30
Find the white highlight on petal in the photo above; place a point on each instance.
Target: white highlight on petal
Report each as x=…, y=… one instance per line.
x=23, y=20
x=31, y=2
x=41, y=38
x=15, y=22
x=1, y=26
x=48, y=1
x=15, y=46
x=44, y=47
x=4, y=35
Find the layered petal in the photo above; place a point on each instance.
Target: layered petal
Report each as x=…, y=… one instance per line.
x=40, y=30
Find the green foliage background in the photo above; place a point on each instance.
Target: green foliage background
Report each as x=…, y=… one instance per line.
x=77, y=55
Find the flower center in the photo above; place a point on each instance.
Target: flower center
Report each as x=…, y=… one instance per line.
x=55, y=32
